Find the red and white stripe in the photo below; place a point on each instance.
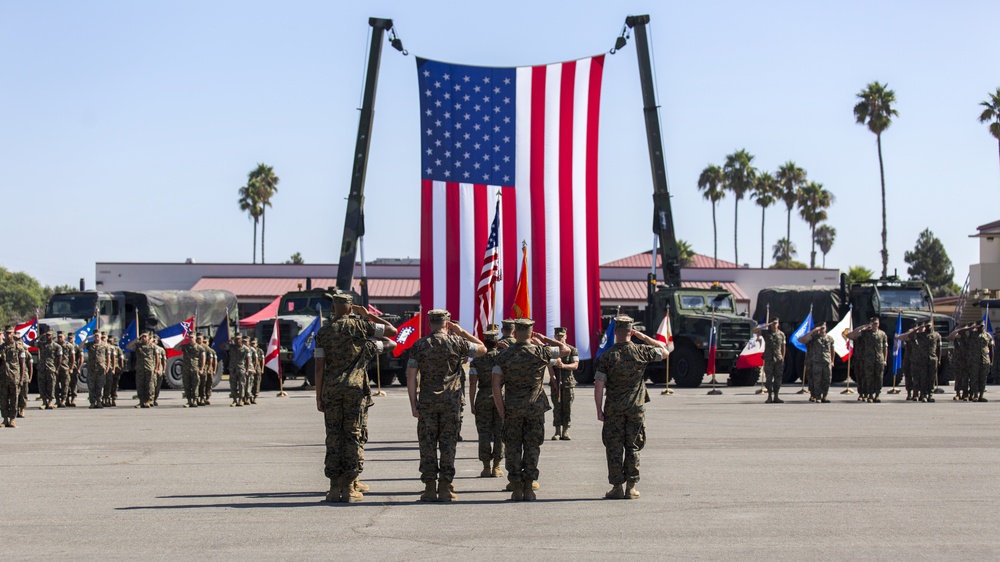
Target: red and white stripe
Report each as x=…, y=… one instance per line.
x=553, y=208
x=486, y=291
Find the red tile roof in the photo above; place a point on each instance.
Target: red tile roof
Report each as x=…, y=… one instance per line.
x=636, y=290
x=269, y=287
x=643, y=260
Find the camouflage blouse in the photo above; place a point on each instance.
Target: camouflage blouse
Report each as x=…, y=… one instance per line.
x=870, y=345
x=818, y=350
x=11, y=356
x=622, y=368
x=439, y=357
x=482, y=367
x=981, y=343
x=193, y=355
x=69, y=357
x=347, y=350
x=97, y=356
x=566, y=378
x=774, y=343
x=930, y=345
x=145, y=357
x=48, y=354
x=522, y=367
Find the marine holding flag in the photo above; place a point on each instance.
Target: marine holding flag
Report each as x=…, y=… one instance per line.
x=344, y=348
x=774, y=358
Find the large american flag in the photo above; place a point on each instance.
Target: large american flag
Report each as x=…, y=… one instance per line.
x=529, y=133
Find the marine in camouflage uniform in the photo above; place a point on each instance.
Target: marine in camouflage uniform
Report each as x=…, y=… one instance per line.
x=344, y=348
x=145, y=368
x=161, y=369
x=191, y=363
x=208, y=373
x=12, y=359
x=489, y=425
x=74, y=377
x=924, y=348
x=870, y=352
x=66, y=366
x=50, y=361
x=819, y=362
x=114, y=373
x=26, y=376
x=960, y=355
x=506, y=334
x=620, y=371
x=523, y=403
x=259, y=371
x=561, y=385
x=98, y=358
x=980, y=359
x=774, y=358
x=438, y=361
x=239, y=365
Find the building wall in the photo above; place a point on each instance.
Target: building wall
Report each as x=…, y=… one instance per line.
x=989, y=249
x=984, y=276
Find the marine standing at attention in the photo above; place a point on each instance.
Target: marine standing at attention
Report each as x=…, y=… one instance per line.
x=561, y=384
x=488, y=422
x=819, y=361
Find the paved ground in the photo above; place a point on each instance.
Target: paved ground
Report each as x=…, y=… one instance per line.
x=723, y=476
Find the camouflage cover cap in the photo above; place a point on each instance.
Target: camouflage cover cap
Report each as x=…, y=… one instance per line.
x=559, y=331
x=490, y=335
x=439, y=315
x=623, y=321
x=343, y=298
x=524, y=323
x=507, y=323
x=60, y=333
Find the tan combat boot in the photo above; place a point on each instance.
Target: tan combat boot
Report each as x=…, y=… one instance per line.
x=487, y=471
x=516, y=491
x=497, y=473
x=565, y=433
x=430, y=492
x=529, y=490
x=347, y=491
x=615, y=493
x=360, y=486
x=630, y=491
x=446, y=491
x=333, y=496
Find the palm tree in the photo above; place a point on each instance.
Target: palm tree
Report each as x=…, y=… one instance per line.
x=783, y=252
x=812, y=208
x=684, y=252
x=791, y=178
x=739, y=176
x=825, y=235
x=263, y=181
x=250, y=204
x=765, y=191
x=992, y=113
x=712, y=183
x=875, y=110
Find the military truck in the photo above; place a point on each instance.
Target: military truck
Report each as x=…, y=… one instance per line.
x=888, y=298
x=296, y=311
x=155, y=310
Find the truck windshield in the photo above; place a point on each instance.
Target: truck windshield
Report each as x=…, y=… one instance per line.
x=912, y=299
x=699, y=302
x=79, y=306
x=303, y=305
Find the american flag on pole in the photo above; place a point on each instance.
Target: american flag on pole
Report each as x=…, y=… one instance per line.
x=531, y=134
x=486, y=291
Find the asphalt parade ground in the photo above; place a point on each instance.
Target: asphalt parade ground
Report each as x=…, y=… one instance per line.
x=722, y=477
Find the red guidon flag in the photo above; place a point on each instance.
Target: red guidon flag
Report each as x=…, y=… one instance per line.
x=407, y=335
x=272, y=358
x=530, y=133
x=710, y=368
x=752, y=354
x=664, y=333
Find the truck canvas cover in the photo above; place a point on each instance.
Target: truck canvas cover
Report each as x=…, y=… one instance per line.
x=791, y=303
x=159, y=309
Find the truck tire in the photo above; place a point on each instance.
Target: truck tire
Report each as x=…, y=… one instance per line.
x=656, y=373
x=585, y=373
x=744, y=377
x=174, y=375
x=687, y=367
x=81, y=382
x=218, y=376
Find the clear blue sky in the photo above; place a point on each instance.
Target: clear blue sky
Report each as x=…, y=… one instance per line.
x=126, y=128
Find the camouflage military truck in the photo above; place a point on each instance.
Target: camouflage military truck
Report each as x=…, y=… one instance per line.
x=888, y=298
x=155, y=310
x=296, y=311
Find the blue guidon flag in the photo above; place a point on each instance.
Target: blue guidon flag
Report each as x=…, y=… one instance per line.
x=525, y=138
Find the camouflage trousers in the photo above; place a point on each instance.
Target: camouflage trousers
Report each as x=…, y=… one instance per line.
x=343, y=415
x=624, y=435
x=772, y=375
x=523, y=435
x=95, y=386
x=256, y=384
x=157, y=385
x=819, y=375
x=205, y=385
x=22, y=395
x=74, y=381
x=977, y=377
x=562, y=406
x=489, y=425
x=111, y=385
x=8, y=398
x=237, y=384
x=144, y=386
x=248, y=386
x=191, y=381
x=437, y=431
x=928, y=376
x=960, y=370
x=364, y=417
x=62, y=387
x=47, y=385
x=874, y=372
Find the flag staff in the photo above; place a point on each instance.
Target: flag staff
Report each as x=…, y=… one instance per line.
x=849, y=357
x=767, y=322
x=803, y=389
x=710, y=350
x=666, y=383
x=281, y=378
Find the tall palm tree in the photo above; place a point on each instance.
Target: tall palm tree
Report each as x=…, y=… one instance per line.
x=992, y=113
x=875, y=110
x=265, y=183
x=783, y=252
x=812, y=208
x=825, y=235
x=790, y=178
x=739, y=174
x=712, y=183
x=250, y=204
x=684, y=253
x=765, y=191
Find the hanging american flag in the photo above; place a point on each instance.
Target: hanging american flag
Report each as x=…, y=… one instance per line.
x=530, y=133
x=486, y=291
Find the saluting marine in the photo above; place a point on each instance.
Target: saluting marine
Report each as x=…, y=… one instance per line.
x=819, y=362
x=489, y=425
x=774, y=358
x=12, y=359
x=561, y=385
